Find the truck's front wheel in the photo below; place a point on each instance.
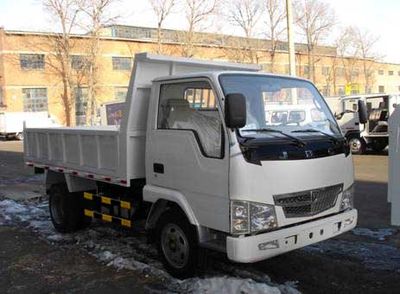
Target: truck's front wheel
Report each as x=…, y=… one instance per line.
x=177, y=244
x=66, y=210
x=357, y=145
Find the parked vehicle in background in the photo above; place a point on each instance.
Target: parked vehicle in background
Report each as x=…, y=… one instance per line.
x=12, y=123
x=111, y=113
x=374, y=133
x=204, y=157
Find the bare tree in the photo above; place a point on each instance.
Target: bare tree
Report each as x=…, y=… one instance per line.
x=276, y=26
x=96, y=16
x=196, y=13
x=246, y=14
x=162, y=9
x=315, y=20
x=348, y=52
x=366, y=48
x=65, y=12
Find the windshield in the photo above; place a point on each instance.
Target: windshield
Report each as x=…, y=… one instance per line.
x=281, y=104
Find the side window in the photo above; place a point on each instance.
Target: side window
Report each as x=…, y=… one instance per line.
x=192, y=106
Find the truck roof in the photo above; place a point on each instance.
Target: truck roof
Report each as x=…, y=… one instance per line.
x=216, y=74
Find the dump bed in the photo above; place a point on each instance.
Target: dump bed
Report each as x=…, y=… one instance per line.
x=111, y=153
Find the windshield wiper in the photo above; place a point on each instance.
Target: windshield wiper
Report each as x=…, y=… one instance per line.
x=298, y=141
x=333, y=138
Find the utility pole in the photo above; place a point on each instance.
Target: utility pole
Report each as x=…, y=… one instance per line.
x=292, y=56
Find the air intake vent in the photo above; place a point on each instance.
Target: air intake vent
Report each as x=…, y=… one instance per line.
x=308, y=203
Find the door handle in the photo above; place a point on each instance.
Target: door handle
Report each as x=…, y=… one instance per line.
x=158, y=168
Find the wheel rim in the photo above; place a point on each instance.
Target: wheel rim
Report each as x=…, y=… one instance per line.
x=175, y=245
x=355, y=145
x=57, y=208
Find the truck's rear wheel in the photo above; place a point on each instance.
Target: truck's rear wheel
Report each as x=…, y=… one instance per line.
x=357, y=145
x=177, y=244
x=66, y=210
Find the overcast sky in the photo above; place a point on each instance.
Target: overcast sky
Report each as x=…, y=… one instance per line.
x=378, y=16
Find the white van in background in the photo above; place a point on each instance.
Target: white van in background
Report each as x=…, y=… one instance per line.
x=12, y=123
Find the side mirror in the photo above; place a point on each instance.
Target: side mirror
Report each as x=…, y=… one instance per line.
x=235, y=110
x=338, y=116
x=362, y=112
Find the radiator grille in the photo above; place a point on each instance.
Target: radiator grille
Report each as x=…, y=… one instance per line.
x=308, y=203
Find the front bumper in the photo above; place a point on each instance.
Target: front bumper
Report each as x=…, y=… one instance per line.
x=263, y=246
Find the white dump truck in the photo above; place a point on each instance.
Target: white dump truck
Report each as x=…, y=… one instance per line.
x=373, y=133
x=197, y=157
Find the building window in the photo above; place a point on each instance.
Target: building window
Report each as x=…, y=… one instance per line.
x=381, y=72
x=398, y=88
x=325, y=91
x=306, y=70
x=122, y=63
x=200, y=98
x=340, y=71
x=181, y=109
x=355, y=73
x=325, y=70
x=341, y=90
x=1, y=98
x=31, y=61
x=391, y=72
x=35, y=99
x=81, y=98
x=132, y=32
x=78, y=62
x=381, y=89
x=398, y=73
x=120, y=93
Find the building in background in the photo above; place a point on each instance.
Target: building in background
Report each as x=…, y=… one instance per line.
x=30, y=82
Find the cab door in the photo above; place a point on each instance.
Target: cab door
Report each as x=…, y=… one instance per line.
x=186, y=153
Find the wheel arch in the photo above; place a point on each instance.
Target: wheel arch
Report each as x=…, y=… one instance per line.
x=164, y=199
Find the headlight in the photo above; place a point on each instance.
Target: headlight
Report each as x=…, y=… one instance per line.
x=249, y=217
x=239, y=217
x=347, y=198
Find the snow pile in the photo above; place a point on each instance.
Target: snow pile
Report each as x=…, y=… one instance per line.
x=378, y=234
x=124, y=249
x=231, y=285
x=228, y=285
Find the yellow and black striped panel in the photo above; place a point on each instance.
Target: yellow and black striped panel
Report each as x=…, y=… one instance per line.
x=107, y=200
x=108, y=218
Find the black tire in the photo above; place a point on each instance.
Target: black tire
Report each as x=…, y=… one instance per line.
x=378, y=145
x=66, y=211
x=357, y=145
x=174, y=228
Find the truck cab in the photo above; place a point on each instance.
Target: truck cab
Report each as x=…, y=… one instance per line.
x=202, y=153
x=248, y=182
x=374, y=133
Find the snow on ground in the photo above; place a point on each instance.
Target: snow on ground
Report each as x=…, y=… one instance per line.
x=124, y=249
x=22, y=180
x=378, y=234
x=130, y=250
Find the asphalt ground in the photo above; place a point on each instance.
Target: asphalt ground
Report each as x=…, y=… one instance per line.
x=351, y=263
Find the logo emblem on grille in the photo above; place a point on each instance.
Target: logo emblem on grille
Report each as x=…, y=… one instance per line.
x=309, y=153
